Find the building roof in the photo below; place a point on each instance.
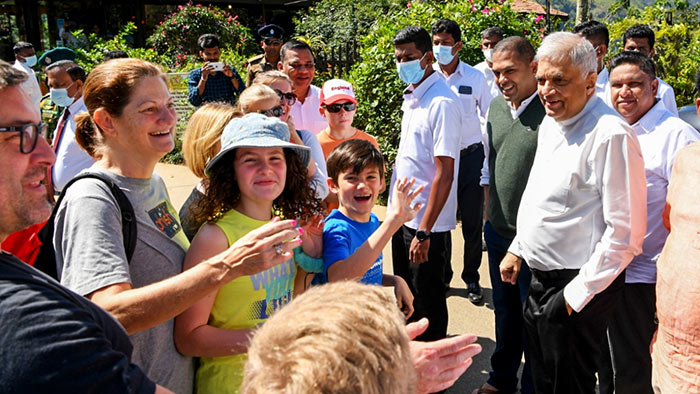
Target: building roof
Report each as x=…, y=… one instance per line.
x=527, y=6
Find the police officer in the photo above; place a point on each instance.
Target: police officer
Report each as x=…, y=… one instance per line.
x=271, y=43
x=50, y=112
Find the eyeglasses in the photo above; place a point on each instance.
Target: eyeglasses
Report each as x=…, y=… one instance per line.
x=290, y=98
x=28, y=135
x=335, y=108
x=274, y=111
x=268, y=41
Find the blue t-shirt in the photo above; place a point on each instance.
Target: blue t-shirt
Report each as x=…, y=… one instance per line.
x=341, y=238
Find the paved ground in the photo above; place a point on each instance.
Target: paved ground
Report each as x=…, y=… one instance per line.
x=464, y=317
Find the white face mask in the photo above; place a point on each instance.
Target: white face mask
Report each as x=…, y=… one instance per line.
x=30, y=61
x=488, y=54
x=60, y=96
x=443, y=54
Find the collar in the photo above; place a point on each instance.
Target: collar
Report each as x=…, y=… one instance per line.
x=589, y=104
x=523, y=104
x=23, y=65
x=603, y=76
x=418, y=91
x=458, y=71
x=77, y=104
x=650, y=120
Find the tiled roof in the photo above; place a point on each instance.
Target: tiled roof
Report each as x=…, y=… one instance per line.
x=527, y=6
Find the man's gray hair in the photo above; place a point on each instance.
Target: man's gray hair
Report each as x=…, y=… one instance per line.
x=562, y=46
x=10, y=76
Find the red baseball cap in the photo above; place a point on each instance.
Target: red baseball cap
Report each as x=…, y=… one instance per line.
x=335, y=90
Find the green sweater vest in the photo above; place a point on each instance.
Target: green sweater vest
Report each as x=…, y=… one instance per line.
x=512, y=145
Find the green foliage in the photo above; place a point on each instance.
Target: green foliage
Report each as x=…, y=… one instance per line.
x=377, y=85
x=176, y=36
x=91, y=55
x=677, y=45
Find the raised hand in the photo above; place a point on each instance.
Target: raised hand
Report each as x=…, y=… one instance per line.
x=402, y=198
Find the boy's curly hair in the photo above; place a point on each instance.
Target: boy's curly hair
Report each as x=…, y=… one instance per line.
x=297, y=201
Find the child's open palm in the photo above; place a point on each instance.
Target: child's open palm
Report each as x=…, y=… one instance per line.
x=402, y=198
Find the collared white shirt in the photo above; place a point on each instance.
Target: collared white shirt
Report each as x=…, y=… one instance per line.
x=490, y=77
x=70, y=157
x=31, y=85
x=485, y=176
x=429, y=128
x=307, y=116
x=474, y=96
x=665, y=94
x=661, y=135
x=584, y=206
x=601, y=84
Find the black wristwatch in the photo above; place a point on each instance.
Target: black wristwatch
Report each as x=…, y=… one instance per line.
x=422, y=235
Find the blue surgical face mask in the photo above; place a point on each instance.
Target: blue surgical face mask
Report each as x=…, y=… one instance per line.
x=443, y=54
x=30, y=61
x=411, y=72
x=60, y=96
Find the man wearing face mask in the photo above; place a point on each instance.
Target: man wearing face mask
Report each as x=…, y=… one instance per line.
x=597, y=34
x=429, y=152
x=65, y=79
x=474, y=98
x=25, y=59
x=489, y=38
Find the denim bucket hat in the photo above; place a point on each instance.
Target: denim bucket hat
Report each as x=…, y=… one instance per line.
x=257, y=131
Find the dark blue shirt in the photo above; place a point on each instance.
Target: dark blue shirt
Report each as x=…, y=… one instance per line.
x=218, y=87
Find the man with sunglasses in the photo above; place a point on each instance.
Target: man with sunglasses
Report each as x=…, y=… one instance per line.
x=271, y=43
x=53, y=340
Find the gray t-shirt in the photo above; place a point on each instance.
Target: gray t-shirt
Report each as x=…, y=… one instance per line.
x=90, y=255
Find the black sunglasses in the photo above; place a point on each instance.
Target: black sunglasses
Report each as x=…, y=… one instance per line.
x=334, y=108
x=268, y=41
x=274, y=111
x=28, y=135
x=290, y=97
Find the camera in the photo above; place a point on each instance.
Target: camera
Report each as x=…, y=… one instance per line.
x=217, y=66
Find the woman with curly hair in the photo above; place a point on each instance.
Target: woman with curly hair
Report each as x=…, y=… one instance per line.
x=257, y=174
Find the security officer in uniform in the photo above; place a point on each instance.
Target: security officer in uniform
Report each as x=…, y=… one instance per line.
x=271, y=43
x=50, y=112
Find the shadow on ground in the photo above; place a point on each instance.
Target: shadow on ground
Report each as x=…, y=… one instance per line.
x=479, y=370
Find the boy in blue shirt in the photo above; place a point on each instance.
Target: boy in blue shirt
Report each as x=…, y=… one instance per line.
x=353, y=239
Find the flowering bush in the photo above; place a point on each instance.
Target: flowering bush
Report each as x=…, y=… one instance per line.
x=176, y=36
x=377, y=85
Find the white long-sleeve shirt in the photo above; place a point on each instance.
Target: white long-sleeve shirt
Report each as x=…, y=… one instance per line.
x=584, y=206
x=31, y=85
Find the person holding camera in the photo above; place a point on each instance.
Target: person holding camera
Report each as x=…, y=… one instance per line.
x=215, y=80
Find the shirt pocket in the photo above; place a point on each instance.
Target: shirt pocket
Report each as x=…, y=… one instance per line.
x=468, y=105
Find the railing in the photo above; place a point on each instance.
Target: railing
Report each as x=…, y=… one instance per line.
x=338, y=60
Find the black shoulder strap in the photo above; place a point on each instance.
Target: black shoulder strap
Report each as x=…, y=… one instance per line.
x=46, y=260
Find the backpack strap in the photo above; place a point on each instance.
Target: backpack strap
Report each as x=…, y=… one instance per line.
x=46, y=261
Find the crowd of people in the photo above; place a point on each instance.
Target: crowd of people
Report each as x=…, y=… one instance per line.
x=267, y=279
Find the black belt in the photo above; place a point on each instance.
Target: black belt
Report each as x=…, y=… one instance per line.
x=555, y=274
x=471, y=148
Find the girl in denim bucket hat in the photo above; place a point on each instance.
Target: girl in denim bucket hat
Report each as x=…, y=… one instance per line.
x=257, y=171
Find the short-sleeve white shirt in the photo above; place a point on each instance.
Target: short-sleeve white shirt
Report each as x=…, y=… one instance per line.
x=430, y=127
x=70, y=157
x=306, y=116
x=474, y=95
x=31, y=85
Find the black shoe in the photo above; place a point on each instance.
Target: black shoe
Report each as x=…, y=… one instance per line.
x=474, y=293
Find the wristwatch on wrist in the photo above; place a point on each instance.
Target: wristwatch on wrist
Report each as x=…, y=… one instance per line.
x=422, y=235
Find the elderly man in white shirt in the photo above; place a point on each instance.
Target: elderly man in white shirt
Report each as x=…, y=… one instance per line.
x=297, y=61
x=66, y=80
x=661, y=135
x=581, y=220
x=429, y=152
x=25, y=59
x=474, y=98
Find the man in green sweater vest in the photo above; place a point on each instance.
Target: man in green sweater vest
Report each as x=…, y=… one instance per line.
x=513, y=120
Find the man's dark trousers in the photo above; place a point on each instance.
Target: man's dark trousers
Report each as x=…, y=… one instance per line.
x=425, y=280
x=508, y=302
x=565, y=350
x=630, y=330
x=470, y=201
